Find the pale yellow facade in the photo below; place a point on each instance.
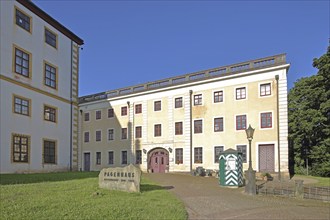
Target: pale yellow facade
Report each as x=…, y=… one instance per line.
x=248, y=96
x=39, y=91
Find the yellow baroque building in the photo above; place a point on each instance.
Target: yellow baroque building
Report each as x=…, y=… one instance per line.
x=184, y=122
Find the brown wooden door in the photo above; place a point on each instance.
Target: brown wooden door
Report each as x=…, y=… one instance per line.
x=266, y=158
x=158, y=161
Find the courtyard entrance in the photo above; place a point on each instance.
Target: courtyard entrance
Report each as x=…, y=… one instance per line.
x=158, y=160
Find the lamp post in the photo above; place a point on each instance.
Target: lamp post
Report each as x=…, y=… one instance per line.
x=250, y=174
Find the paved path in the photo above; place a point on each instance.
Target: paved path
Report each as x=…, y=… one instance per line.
x=205, y=199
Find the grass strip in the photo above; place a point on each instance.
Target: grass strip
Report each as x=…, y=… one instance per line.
x=76, y=195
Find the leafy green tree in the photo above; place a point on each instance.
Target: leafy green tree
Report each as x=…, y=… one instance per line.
x=309, y=119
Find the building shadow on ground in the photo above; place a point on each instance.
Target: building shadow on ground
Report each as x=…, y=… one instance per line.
x=151, y=187
x=6, y=179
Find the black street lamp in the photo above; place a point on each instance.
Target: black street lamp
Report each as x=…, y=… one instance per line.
x=250, y=174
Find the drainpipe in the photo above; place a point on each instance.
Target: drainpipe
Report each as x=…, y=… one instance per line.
x=278, y=127
x=191, y=132
x=71, y=110
x=129, y=130
x=133, y=135
x=80, y=138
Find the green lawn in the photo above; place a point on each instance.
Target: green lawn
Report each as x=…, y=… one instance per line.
x=76, y=195
x=322, y=181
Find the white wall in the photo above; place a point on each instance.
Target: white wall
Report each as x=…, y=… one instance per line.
x=35, y=44
x=34, y=126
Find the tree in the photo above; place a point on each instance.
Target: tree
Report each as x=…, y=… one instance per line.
x=309, y=119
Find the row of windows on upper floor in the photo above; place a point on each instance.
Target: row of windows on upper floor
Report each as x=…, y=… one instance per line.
x=21, y=145
x=218, y=97
x=22, y=106
x=22, y=66
x=198, y=155
x=24, y=21
x=266, y=122
x=22, y=59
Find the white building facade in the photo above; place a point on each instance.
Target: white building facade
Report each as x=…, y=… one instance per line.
x=184, y=122
x=39, y=91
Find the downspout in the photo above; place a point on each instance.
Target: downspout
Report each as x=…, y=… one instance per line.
x=191, y=132
x=80, y=137
x=278, y=127
x=129, y=130
x=133, y=135
x=71, y=110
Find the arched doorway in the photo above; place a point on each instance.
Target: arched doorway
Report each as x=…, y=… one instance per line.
x=158, y=160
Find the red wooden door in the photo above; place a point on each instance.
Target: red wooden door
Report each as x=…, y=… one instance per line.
x=266, y=158
x=158, y=161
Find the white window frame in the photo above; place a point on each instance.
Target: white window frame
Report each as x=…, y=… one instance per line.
x=127, y=111
x=247, y=151
x=193, y=99
x=271, y=89
x=161, y=105
x=203, y=155
x=101, y=135
x=135, y=131
x=182, y=129
x=121, y=157
x=121, y=134
x=271, y=111
x=89, y=138
x=223, y=96
x=84, y=117
x=108, y=134
x=108, y=113
x=99, y=110
x=182, y=102
x=217, y=132
x=246, y=93
x=218, y=145
x=161, y=127
x=247, y=124
x=197, y=119
x=113, y=158
x=135, y=104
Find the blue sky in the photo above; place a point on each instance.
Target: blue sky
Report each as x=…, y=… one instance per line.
x=132, y=42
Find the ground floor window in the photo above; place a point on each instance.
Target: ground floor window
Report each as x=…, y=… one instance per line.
x=217, y=151
x=198, y=156
x=110, y=157
x=179, y=155
x=124, y=157
x=20, y=148
x=98, y=158
x=138, y=159
x=49, y=151
x=242, y=149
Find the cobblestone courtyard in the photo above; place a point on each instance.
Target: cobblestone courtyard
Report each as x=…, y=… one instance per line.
x=205, y=199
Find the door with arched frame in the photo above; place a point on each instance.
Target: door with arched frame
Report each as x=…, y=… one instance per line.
x=158, y=160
